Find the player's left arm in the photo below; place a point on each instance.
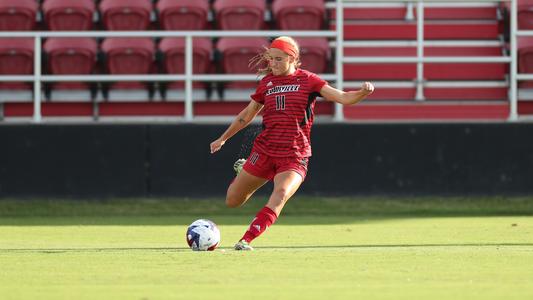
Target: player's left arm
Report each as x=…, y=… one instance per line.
x=347, y=98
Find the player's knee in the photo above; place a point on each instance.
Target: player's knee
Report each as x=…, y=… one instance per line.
x=282, y=194
x=230, y=202
x=233, y=200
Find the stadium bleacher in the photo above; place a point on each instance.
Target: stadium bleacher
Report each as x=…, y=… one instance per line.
x=126, y=14
x=452, y=90
x=240, y=14
x=525, y=58
x=235, y=53
x=16, y=58
x=129, y=56
x=69, y=15
x=70, y=56
x=525, y=14
x=183, y=14
x=315, y=54
x=391, y=32
x=299, y=15
x=173, y=62
x=18, y=15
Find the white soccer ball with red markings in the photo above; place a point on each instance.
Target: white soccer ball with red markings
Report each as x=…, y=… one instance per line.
x=203, y=235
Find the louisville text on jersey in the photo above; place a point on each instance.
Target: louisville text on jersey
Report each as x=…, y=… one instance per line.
x=283, y=89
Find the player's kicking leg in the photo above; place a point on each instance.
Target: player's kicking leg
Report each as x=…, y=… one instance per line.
x=285, y=185
x=242, y=188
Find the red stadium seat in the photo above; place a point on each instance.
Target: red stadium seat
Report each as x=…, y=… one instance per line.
x=173, y=50
x=235, y=56
x=237, y=52
x=126, y=14
x=68, y=56
x=16, y=58
x=299, y=15
x=525, y=13
x=69, y=15
x=525, y=58
x=240, y=14
x=17, y=14
x=314, y=54
x=129, y=56
x=183, y=14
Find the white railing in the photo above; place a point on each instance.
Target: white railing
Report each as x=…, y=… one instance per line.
x=420, y=59
x=188, y=77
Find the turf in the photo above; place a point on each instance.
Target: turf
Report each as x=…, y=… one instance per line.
x=337, y=248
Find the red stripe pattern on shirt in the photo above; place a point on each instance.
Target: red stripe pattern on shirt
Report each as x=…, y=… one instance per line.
x=287, y=113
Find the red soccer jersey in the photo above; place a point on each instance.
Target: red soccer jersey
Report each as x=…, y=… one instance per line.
x=288, y=115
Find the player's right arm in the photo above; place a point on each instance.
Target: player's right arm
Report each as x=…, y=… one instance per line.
x=242, y=120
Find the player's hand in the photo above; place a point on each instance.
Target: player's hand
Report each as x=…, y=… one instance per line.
x=367, y=88
x=216, y=145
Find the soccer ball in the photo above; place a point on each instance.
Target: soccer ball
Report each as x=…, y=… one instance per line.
x=203, y=235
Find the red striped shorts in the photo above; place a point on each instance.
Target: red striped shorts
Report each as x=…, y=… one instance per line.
x=265, y=166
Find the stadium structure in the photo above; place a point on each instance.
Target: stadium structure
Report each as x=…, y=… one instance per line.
x=139, y=88
x=188, y=60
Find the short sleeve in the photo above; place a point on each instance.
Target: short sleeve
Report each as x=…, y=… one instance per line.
x=316, y=83
x=259, y=95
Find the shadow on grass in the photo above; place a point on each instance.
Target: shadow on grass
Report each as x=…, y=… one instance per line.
x=300, y=210
x=310, y=247
x=78, y=250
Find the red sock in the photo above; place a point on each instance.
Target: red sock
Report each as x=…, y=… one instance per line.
x=264, y=218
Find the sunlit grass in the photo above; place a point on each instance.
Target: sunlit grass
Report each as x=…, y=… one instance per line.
x=364, y=248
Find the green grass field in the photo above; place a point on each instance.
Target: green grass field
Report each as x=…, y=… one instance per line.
x=362, y=248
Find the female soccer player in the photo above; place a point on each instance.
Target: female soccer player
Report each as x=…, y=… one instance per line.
x=281, y=152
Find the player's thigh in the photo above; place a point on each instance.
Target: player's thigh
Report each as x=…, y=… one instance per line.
x=244, y=185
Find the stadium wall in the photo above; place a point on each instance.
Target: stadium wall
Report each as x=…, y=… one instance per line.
x=102, y=161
